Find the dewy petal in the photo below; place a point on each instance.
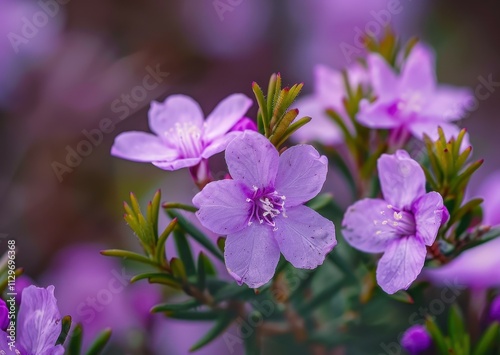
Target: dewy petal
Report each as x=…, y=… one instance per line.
x=177, y=163
x=252, y=159
x=222, y=206
x=401, y=264
x=363, y=226
x=141, y=147
x=321, y=128
x=304, y=237
x=418, y=74
x=227, y=113
x=448, y=103
x=384, y=80
x=431, y=129
x=301, y=174
x=39, y=320
x=219, y=144
x=428, y=211
x=251, y=255
x=176, y=109
x=401, y=178
x=377, y=115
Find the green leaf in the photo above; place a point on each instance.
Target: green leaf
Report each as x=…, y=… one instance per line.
x=179, y=206
x=402, y=296
x=436, y=335
x=157, y=277
x=220, y=326
x=185, y=253
x=196, y=234
x=160, y=254
x=205, y=267
x=65, y=329
x=320, y=201
x=99, y=343
x=178, y=269
x=456, y=327
x=489, y=339
x=195, y=315
x=125, y=254
x=75, y=343
x=172, y=308
x=291, y=129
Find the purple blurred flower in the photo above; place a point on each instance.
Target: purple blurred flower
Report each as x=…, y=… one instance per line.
x=400, y=225
x=329, y=91
x=412, y=102
x=38, y=324
x=244, y=124
x=495, y=309
x=416, y=339
x=251, y=211
x=4, y=315
x=181, y=137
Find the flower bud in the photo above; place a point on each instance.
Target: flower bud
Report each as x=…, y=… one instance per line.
x=416, y=339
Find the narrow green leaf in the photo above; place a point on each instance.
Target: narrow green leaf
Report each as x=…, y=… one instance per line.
x=437, y=336
x=65, y=328
x=135, y=204
x=282, y=125
x=160, y=253
x=291, y=129
x=402, y=296
x=125, y=254
x=489, y=339
x=456, y=327
x=99, y=343
x=172, y=308
x=185, y=253
x=220, y=326
x=75, y=343
x=178, y=268
x=153, y=275
x=195, y=315
x=179, y=206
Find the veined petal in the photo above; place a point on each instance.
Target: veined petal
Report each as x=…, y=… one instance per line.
x=251, y=255
x=227, y=113
x=177, y=164
x=401, y=178
x=252, y=159
x=222, y=206
x=384, y=80
x=304, y=237
x=301, y=174
x=219, y=144
x=428, y=211
x=431, y=129
x=175, y=110
x=378, y=114
x=418, y=74
x=401, y=264
x=39, y=320
x=141, y=147
x=4, y=344
x=364, y=228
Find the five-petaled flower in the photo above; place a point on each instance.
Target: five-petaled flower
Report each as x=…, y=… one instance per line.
x=38, y=324
x=412, y=102
x=400, y=225
x=181, y=137
x=261, y=210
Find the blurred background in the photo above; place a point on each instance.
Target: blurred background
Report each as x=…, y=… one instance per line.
x=74, y=74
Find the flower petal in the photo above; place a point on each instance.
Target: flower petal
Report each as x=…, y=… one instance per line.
x=428, y=211
x=304, y=237
x=177, y=163
x=431, y=129
x=401, y=264
x=251, y=255
x=301, y=174
x=418, y=73
x=222, y=206
x=39, y=320
x=219, y=144
x=176, y=109
x=329, y=86
x=363, y=228
x=378, y=114
x=252, y=159
x=448, y=103
x=4, y=344
x=401, y=178
x=141, y=147
x=227, y=113
x=384, y=80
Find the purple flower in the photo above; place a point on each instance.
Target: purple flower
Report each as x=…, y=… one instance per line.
x=4, y=315
x=181, y=137
x=38, y=324
x=416, y=339
x=412, y=102
x=329, y=92
x=400, y=225
x=261, y=211
x=495, y=310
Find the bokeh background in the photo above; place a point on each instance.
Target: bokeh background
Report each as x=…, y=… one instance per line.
x=70, y=68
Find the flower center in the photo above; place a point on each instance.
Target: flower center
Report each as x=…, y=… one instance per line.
x=402, y=222
x=266, y=206
x=186, y=138
x=410, y=103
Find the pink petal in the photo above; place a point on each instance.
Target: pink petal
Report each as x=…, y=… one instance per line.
x=428, y=211
x=301, y=174
x=252, y=159
x=418, y=73
x=448, y=103
x=227, y=113
x=378, y=114
x=304, y=237
x=177, y=163
x=329, y=86
x=141, y=147
x=401, y=264
x=176, y=109
x=222, y=206
x=251, y=255
x=219, y=144
x=384, y=80
x=401, y=178
x=363, y=228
